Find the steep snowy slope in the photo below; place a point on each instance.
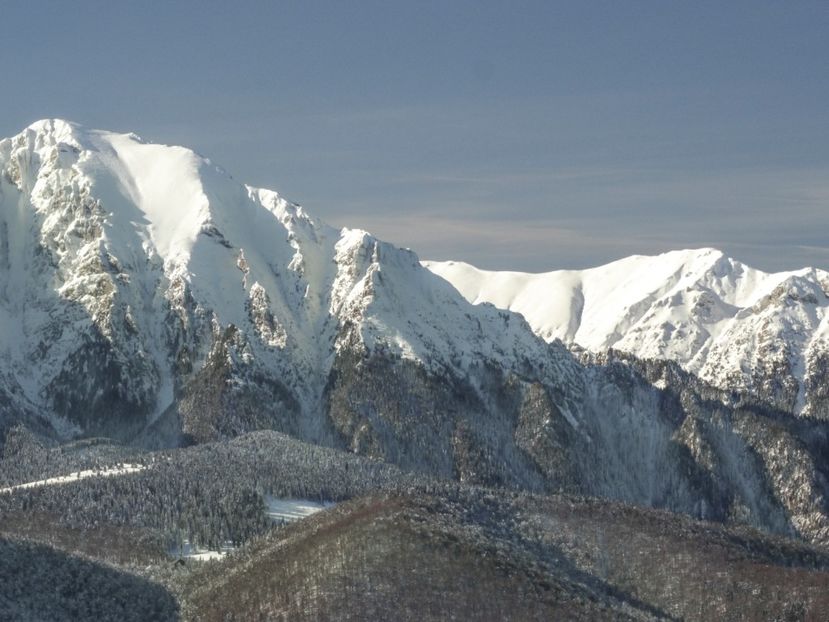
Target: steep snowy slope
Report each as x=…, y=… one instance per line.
x=734, y=326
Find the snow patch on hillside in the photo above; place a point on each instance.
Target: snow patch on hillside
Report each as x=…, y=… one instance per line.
x=290, y=510
x=276, y=509
x=120, y=469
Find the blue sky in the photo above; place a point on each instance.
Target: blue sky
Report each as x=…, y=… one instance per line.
x=515, y=135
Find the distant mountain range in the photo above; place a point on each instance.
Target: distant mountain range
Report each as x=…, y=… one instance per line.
x=147, y=296
x=731, y=325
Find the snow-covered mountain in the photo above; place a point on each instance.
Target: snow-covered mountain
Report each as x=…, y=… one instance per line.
x=736, y=327
x=141, y=283
x=146, y=295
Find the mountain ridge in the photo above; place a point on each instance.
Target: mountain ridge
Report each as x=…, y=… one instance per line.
x=734, y=326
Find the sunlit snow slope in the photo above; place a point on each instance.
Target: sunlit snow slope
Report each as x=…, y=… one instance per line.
x=735, y=326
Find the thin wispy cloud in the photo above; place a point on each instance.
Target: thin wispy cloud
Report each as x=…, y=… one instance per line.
x=631, y=213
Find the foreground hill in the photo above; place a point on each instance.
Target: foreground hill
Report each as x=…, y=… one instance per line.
x=482, y=555
x=395, y=547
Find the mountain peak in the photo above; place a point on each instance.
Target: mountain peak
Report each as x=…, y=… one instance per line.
x=160, y=189
x=55, y=126
x=62, y=129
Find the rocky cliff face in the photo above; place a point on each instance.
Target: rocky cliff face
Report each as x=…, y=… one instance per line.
x=146, y=295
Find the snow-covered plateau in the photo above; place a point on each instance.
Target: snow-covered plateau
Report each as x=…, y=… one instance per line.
x=146, y=295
